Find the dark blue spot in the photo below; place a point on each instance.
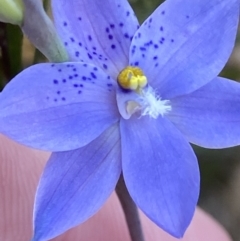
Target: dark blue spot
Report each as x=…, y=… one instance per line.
x=155, y=57
x=77, y=54
x=142, y=49
x=93, y=75
x=80, y=19
x=121, y=24
x=70, y=77
x=85, y=65
x=126, y=35
x=89, y=56
x=150, y=20
x=64, y=23
x=95, y=69
x=74, y=69
x=81, y=85
x=110, y=36
x=75, y=85
x=79, y=92
x=107, y=30
x=55, y=100
x=113, y=46
x=64, y=81
x=109, y=85
x=127, y=13
x=187, y=16
x=94, y=53
x=155, y=46
x=84, y=78
x=112, y=25
x=172, y=40
x=52, y=65
x=76, y=75
x=163, y=12
x=59, y=92
x=105, y=66
x=136, y=63
x=143, y=55
x=80, y=44
x=94, y=48
x=65, y=43
x=55, y=81
x=156, y=65
x=139, y=35
x=89, y=38
x=72, y=39
x=161, y=28
x=63, y=98
x=149, y=43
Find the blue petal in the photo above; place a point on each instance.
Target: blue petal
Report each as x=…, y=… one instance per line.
x=75, y=184
x=160, y=171
x=58, y=107
x=96, y=31
x=184, y=44
x=210, y=116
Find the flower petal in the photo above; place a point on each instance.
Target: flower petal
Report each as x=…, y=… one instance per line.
x=181, y=46
x=58, y=107
x=160, y=171
x=210, y=116
x=96, y=31
x=75, y=184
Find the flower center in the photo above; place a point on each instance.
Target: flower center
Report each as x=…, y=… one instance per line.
x=143, y=99
x=132, y=78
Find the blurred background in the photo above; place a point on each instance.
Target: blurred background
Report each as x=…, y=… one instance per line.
x=220, y=169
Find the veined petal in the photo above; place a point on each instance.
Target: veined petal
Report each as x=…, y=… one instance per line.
x=184, y=44
x=96, y=31
x=210, y=116
x=58, y=107
x=75, y=184
x=160, y=171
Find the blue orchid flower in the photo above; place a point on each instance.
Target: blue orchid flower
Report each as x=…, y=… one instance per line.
x=130, y=100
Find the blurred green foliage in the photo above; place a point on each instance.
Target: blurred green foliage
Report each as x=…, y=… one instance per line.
x=10, y=52
x=143, y=8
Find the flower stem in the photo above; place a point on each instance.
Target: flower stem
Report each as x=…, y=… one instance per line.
x=130, y=211
x=38, y=27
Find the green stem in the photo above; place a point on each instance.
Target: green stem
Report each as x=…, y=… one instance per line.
x=41, y=32
x=130, y=211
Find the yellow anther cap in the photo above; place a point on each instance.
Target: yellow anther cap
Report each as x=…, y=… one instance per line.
x=132, y=78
